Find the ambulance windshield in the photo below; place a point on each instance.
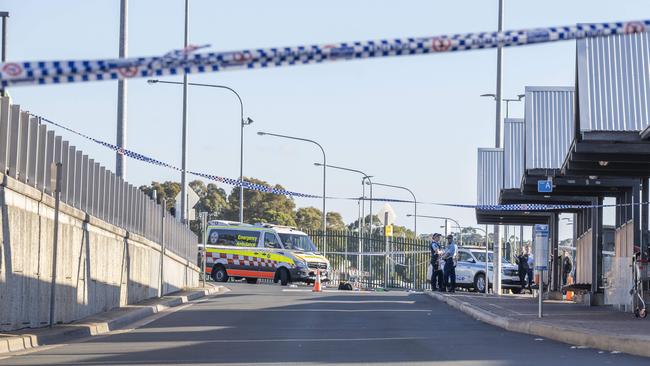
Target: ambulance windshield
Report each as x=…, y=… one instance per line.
x=298, y=242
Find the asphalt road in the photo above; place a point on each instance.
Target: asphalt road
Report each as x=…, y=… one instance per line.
x=264, y=324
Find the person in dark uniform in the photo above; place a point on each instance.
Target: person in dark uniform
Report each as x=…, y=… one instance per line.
x=450, y=264
x=522, y=269
x=436, y=271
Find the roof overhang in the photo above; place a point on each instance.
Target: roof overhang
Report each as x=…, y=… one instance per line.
x=582, y=185
x=608, y=153
x=497, y=217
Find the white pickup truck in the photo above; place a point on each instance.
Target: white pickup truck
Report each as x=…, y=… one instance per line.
x=470, y=270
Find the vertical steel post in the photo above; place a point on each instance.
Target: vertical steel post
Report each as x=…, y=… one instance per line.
x=204, y=226
x=163, y=203
x=120, y=167
x=487, y=261
x=4, y=15
x=497, y=143
x=55, y=242
x=386, y=267
x=184, y=133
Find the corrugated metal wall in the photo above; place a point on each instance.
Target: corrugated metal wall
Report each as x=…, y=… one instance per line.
x=489, y=177
x=614, y=82
x=549, y=126
x=513, y=152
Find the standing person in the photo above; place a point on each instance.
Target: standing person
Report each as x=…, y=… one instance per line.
x=567, y=267
x=436, y=272
x=450, y=264
x=522, y=268
x=531, y=264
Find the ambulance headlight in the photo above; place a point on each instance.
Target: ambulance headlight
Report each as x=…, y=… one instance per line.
x=300, y=264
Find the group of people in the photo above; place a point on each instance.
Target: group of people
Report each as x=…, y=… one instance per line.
x=443, y=279
x=525, y=265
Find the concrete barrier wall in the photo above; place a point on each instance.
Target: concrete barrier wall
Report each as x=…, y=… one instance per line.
x=99, y=266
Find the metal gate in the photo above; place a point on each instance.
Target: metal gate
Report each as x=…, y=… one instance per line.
x=375, y=261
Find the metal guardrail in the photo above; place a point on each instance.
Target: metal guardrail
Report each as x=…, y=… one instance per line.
x=375, y=261
x=27, y=152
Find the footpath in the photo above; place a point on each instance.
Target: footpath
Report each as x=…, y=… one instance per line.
x=600, y=327
x=101, y=323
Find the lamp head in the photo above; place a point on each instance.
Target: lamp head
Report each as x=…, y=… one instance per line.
x=152, y=81
x=318, y=164
x=261, y=133
x=494, y=96
x=521, y=96
x=247, y=121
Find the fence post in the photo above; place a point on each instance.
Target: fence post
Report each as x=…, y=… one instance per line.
x=57, y=199
x=204, y=225
x=386, y=266
x=163, y=203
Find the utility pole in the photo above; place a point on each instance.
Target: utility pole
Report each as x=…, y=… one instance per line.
x=4, y=15
x=120, y=169
x=184, y=136
x=497, y=143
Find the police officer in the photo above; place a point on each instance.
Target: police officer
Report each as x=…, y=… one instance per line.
x=436, y=272
x=450, y=264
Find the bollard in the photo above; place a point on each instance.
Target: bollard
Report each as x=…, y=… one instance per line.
x=162, y=248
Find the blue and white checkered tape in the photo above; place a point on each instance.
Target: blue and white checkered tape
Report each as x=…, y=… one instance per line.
x=268, y=189
x=189, y=61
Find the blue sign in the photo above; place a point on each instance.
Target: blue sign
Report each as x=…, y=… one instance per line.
x=544, y=186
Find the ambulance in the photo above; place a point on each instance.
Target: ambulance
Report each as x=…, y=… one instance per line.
x=261, y=251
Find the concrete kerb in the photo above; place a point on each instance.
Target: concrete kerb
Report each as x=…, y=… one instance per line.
x=100, y=323
x=637, y=345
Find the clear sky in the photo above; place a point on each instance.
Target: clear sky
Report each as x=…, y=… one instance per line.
x=413, y=121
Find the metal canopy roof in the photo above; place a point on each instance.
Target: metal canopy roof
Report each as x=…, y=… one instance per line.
x=549, y=116
x=613, y=76
x=577, y=186
x=614, y=82
x=516, y=196
x=489, y=175
x=485, y=217
x=513, y=152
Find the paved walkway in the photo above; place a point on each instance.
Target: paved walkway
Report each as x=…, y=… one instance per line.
x=598, y=326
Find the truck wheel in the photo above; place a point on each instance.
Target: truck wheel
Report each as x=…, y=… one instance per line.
x=479, y=283
x=283, y=275
x=251, y=280
x=219, y=273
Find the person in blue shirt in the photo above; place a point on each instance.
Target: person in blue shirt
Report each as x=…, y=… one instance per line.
x=450, y=265
x=436, y=272
x=531, y=266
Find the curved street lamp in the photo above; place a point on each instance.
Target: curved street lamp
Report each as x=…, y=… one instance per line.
x=261, y=133
x=244, y=122
x=415, y=204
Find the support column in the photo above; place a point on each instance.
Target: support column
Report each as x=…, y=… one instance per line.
x=644, y=217
x=555, y=257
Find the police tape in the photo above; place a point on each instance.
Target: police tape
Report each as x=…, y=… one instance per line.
x=189, y=61
x=267, y=189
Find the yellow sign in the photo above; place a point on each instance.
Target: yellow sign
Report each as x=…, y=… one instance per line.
x=389, y=230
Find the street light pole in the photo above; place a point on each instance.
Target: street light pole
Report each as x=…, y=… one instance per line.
x=415, y=203
x=261, y=133
x=244, y=122
x=120, y=168
x=184, y=133
x=365, y=176
x=4, y=15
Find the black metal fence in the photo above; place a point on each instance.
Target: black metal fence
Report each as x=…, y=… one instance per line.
x=375, y=261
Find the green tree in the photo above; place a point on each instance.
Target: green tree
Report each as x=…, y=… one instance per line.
x=261, y=206
x=167, y=190
x=335, y=221
x=308, y=218
x=354, y=226
x=212, y=199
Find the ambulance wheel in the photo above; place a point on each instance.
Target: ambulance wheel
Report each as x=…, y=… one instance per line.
x=219, y=274
x=283, y=276
x=516, y=290
x=251, y=280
